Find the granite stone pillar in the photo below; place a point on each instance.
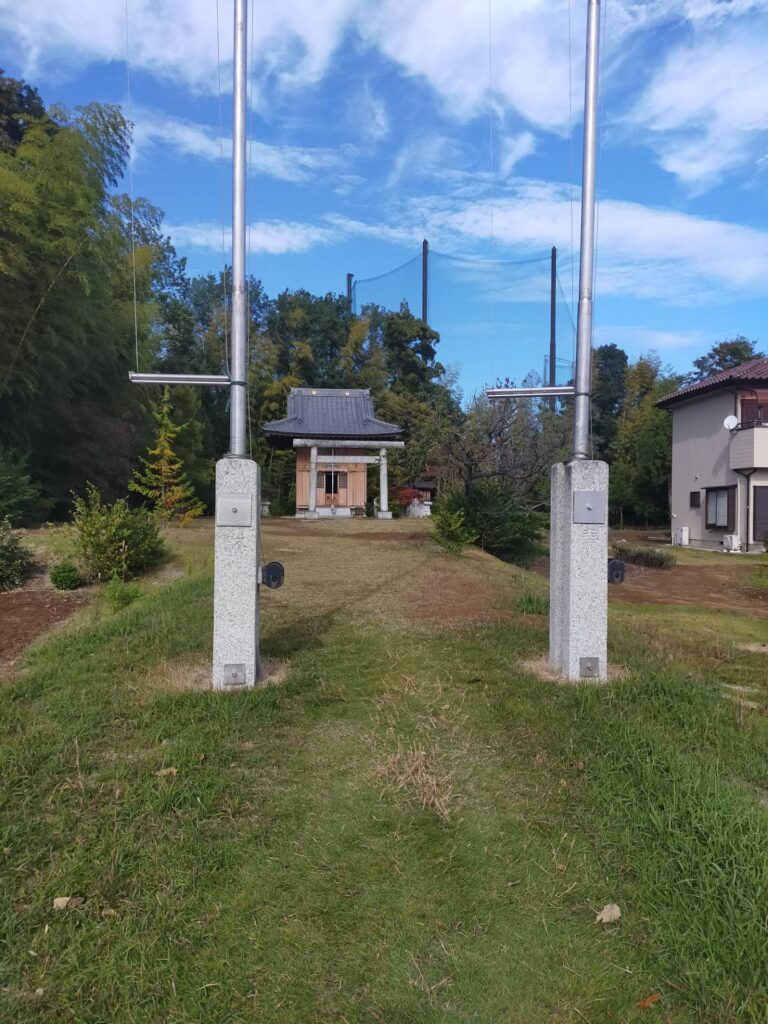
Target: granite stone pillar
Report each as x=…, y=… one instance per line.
x=578, y=592
x=236, y=574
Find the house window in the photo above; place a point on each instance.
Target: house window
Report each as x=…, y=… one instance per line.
x=695, y=499
x=721, y=508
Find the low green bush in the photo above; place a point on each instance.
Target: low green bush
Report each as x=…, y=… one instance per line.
x=115, y=540
x=65, y=576
x=16, y=561
x=500, y=523
x=120, y=594
x=649, y=558
x=450, y=530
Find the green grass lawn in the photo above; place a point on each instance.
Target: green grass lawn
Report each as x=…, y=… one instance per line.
x=410, y=828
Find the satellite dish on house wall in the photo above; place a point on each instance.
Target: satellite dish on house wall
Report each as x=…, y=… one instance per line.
x=730, y=422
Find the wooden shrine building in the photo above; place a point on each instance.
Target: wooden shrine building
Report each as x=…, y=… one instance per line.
x=336, y=436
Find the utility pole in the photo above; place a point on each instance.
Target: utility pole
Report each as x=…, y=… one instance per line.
x=238, y=484
x=581, y=412
x=578, y=540
x=350, y=278
x=238, y=395
x=425, y=281
x=578, y=576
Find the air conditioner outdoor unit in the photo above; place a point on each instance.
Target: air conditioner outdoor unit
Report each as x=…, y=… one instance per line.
x=681, y=536
x=731, y=542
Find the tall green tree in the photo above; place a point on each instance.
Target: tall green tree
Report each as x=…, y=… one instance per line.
x=609, y=391
x=67, y=335
x=725, y=355
x=642, y=449
x=20, y=104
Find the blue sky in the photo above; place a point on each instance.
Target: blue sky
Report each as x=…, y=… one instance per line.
x=377, y=123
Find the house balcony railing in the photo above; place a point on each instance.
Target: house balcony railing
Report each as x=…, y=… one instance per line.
x=749, y=446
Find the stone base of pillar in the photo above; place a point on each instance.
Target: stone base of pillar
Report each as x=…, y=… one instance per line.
x=578, y=575
x=383, y=515
x=308, y=515
x=235, y=589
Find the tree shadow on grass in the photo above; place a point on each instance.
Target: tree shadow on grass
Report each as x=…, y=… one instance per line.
x=288, y=638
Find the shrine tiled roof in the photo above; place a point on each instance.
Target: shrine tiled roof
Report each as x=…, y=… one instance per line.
x=333, y=413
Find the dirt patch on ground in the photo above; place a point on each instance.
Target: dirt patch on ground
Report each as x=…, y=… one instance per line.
x=708, y=586
x=702, y=586
x=754, y=648
x=27, y=614
x=453, y=595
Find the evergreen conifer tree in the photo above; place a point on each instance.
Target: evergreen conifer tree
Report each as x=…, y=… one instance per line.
x=163, y=481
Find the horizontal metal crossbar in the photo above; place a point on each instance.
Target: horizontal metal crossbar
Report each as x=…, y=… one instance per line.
x=338, y=460
x=566, y=391
x=211, y=379
x=322, y=442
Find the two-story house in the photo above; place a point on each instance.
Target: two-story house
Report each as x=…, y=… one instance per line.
x=719, y=489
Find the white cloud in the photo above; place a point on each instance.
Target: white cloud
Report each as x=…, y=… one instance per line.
x=642, y=251
x=514, y=149
x=176, y=39
x=286, y=163
x=368, y=115
x=642, y=339
x=275, y=238
x=706, y=108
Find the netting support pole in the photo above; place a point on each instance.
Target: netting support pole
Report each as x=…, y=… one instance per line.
x=553, y=324
x=425, y=281
x=350, y=278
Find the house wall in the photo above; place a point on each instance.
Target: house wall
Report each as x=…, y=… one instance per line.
x=357, y=477
x=701, y=459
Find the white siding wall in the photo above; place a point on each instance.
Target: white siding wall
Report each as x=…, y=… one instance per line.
x=701, y=459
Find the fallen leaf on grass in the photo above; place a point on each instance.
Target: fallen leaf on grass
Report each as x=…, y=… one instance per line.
x=610, y=912
x=165, y=772
x=68, y=902
x=647, y=1003
x=560, y=868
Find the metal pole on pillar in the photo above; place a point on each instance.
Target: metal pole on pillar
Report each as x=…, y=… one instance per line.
x=238, y=392
x=587, y=248
x=425, y=281
x=238, y=506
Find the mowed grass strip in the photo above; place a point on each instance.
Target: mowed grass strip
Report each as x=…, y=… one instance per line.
x=410, y=828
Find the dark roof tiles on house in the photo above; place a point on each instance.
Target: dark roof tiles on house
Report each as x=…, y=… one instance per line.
x=751, y=374
x=333, y=413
